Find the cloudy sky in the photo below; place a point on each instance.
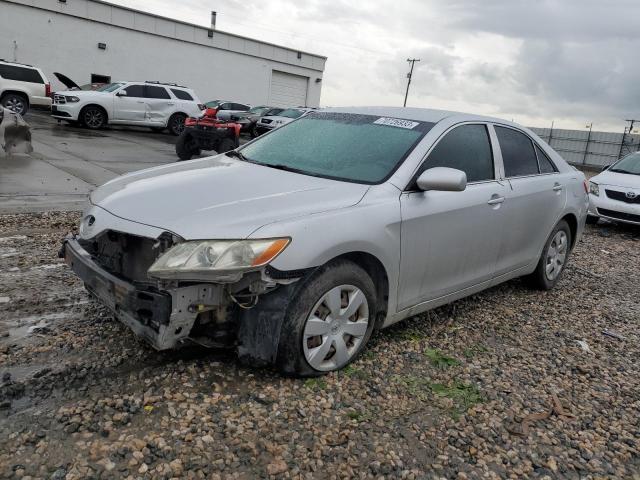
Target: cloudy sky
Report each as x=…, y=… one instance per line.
x=533, y=61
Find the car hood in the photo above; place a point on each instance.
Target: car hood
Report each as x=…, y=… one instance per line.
x=66, y=81
x=614, y=179
x=220, y=197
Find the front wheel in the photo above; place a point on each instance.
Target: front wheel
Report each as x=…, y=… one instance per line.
x=93, y=117
x=176, y=123
x=186, y=146
x=553, y=259
x=329, y=322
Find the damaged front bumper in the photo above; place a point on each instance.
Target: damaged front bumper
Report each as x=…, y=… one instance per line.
x=164, y=318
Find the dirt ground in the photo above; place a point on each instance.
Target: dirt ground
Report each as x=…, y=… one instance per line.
x=510, y=383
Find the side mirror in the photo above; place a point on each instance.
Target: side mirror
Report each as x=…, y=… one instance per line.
x=121, y=93
x=442, y=178
x=606, y=167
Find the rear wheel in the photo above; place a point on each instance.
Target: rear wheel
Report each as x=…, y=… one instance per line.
x=254, y=132
x=592, y=219
x=329, y=322
x=93, y=117
x=187, y=146
x=176, y=123
x=553, y=259
x=16, y=103
x=225, y=145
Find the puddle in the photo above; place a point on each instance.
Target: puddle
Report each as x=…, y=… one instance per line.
x=12, y=238
x=22, y=328
x=20, y=372
x=48, y=266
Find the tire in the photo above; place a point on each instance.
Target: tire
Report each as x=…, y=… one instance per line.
x=16, y=103
x=93, y=117
x=592, y=219
x=225, y=145
x=186, y=146
x=176, y=123
x=254, y=132
x=298, y=352
x=541, y=278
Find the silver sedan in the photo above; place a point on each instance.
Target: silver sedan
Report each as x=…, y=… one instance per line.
x=298, y=246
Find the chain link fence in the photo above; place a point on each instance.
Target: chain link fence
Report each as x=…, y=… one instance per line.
x=588, y=148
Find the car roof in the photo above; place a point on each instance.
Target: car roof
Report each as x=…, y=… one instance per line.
x=416, y=114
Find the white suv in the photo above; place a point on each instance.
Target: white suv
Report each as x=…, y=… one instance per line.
x=148, y=104
x=22, y=86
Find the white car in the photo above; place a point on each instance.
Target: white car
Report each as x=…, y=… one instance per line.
x=614, y=194
x=22, y=86
x=145, y=104
x=270, y=122
x=226, y=108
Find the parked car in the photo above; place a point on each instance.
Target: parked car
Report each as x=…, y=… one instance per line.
x=269, y=122
x=207, y=132
x=226, y=108
x=614, y=194
x=249, y=120
x=297, y=246
x=22, y=86
x=146, y=104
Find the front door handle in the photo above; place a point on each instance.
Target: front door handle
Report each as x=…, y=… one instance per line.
x=140, y=101
x=170, y=103
x=557, y=187
x=495, y=200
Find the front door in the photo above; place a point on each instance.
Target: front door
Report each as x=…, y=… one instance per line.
x=130, y=107
x=450, y=240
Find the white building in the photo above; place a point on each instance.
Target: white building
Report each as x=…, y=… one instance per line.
x=94, y=41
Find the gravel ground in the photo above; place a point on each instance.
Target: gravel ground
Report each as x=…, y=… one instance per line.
x=494, y=386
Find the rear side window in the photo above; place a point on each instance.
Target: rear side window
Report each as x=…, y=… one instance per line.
x=20, y=74
x=517, y=153
x=546, y=165
x=156, y=92
x=181, y=94
x=136, y=91
x=465, y=148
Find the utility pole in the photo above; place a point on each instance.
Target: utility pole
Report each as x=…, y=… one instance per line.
x=412, y=61
x=627, y=147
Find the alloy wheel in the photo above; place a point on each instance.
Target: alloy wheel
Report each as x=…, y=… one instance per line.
x=93, y=118
x=178, y=124
x=14, y=104
x=556, y=255
x=336, y=328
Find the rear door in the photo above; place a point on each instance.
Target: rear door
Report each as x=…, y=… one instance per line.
x=450, y=240
x=160, y=105
x=534, y=201
x=132, y=107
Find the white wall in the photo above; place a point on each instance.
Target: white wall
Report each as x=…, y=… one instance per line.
x=226, y=66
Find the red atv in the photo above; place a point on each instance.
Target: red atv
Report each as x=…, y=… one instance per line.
x=207, y=133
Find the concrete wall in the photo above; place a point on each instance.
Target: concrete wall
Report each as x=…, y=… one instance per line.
x=64, y=37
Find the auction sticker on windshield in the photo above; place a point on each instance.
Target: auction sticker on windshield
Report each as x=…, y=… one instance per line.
x=396, y=122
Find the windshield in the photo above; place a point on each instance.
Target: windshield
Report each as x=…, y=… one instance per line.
x=629, y=164
x=355, y=148
x=258, y=110
x=291, y=113
x=109, y=87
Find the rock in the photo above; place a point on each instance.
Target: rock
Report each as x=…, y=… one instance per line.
x=277, y=467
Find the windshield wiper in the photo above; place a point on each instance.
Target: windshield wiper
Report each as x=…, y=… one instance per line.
x=617, y=170
x=236, y=154
x=286, y=168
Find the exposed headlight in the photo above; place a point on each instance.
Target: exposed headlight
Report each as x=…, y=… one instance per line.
x=71, y=99
x=594, y=189
x=195, y=258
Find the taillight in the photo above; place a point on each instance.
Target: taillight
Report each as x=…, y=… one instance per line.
x=586, y=187
x=47, y=90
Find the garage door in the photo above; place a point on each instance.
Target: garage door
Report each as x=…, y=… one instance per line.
x=288, y=90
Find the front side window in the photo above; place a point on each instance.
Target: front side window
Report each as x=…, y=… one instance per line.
x=20, y=74
x=545, y=163
x=517, y=153
x=465, y=148
x=354, y=148
x=156, y=92
x=135, y=91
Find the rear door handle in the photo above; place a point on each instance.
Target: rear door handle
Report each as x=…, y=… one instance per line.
x=140, y=101
x=170, y=103
x=495, y=200
x=557, y=187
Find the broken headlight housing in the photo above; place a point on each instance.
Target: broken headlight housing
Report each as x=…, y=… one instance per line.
x=200, y=258
x=594, y=189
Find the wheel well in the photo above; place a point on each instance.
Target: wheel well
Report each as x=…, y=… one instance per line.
x=378, y=274
x=15, y=92
x=573, y=226
x=106, y=115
